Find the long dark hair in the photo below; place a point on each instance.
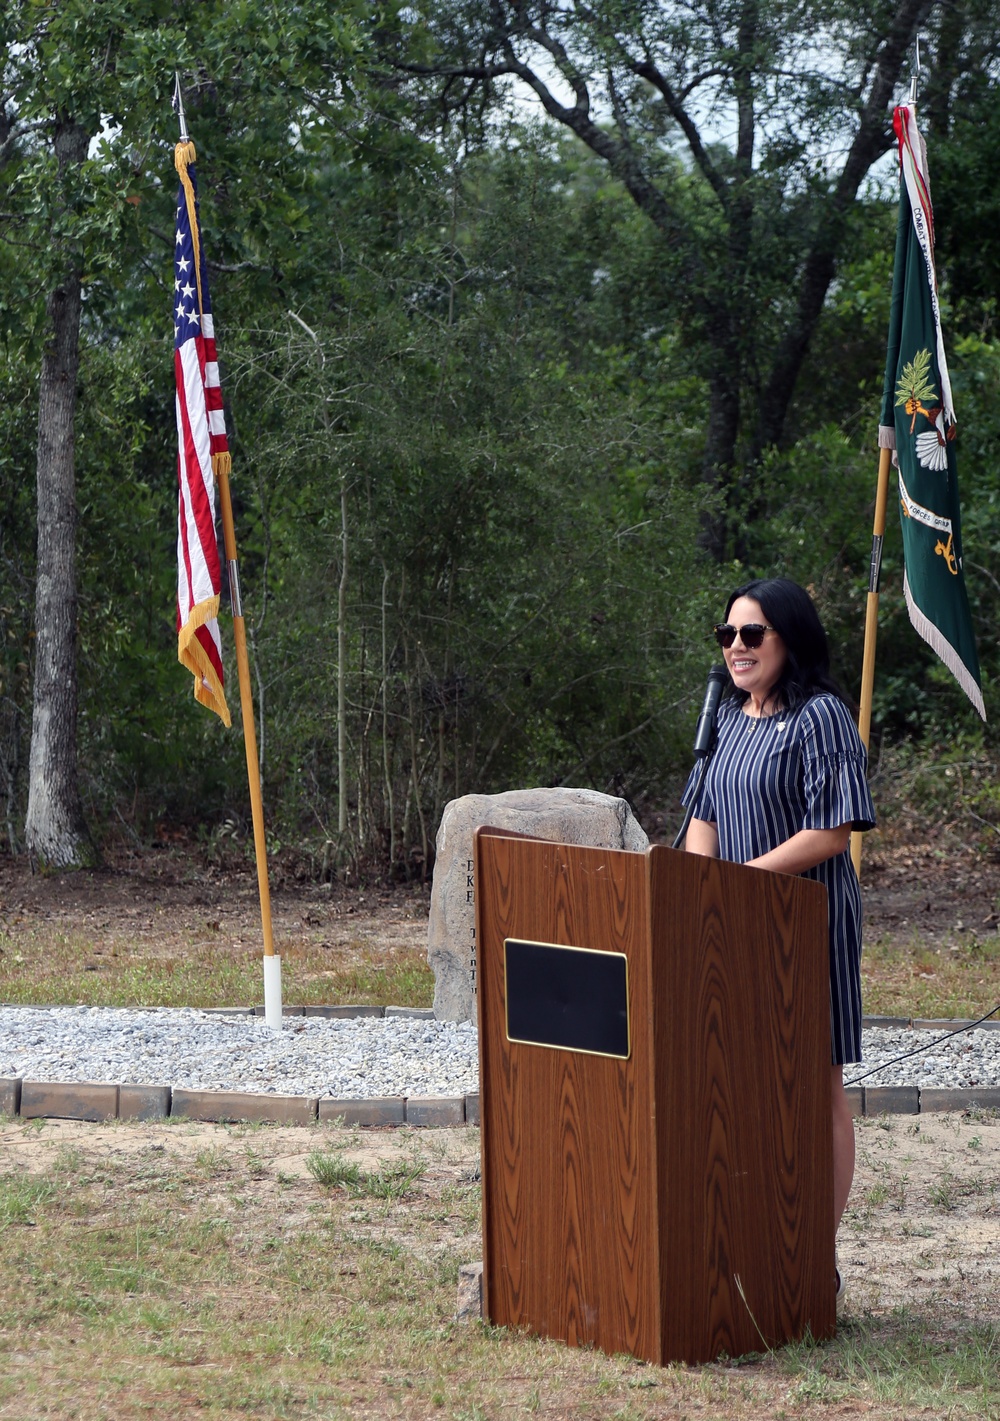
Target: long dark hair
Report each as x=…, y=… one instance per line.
x=789, y=609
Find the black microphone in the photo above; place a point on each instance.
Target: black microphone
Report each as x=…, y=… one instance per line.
x=704, y=735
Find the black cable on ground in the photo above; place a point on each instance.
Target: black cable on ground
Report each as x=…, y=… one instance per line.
x=918, y=1049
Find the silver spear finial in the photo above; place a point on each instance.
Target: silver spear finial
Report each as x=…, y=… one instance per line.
x=915, y=76
x=178, y=104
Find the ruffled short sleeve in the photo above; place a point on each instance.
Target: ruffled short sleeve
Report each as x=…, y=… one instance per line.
x=834, y=768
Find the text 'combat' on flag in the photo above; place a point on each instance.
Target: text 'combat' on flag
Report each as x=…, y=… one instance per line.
x=201, y=449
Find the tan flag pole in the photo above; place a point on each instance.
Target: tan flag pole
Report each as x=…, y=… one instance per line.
x=221, y=463
x=875, y=570
x=871, y=622
x=272, y=962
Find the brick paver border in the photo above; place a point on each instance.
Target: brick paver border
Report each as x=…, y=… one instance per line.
x=100, y=1100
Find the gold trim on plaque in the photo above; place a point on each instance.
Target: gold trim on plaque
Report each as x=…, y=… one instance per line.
x=550, y=1045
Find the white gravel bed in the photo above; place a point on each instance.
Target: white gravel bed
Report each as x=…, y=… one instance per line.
x=967, y=1060
x=357, y=1058
x=196, y=1050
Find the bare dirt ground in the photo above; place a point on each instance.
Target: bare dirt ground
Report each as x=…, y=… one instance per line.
x=923, y=1223
x=164, y=899
x=931, y=884
x=928, y=883
x=922, y=1227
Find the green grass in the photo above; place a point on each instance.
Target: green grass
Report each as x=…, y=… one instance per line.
x=38, y=968
x=141, y=1279
x=391, y=1180
x=182, y=954
x=959, y=977
x=956, y=978
x=900, y=1358
x=20, y=1198
x=330, y=1169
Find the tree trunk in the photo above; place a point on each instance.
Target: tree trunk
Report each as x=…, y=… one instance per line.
x=342, y=671
x=386, y=752
x=54, y=828
x=872, y=139
x=719, y=459
x=946, y=69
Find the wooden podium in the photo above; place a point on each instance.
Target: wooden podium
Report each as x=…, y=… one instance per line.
x=659, y=1181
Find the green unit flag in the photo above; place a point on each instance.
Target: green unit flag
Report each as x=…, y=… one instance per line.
x=918, y=422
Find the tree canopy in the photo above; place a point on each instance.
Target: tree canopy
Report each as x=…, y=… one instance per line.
x=742, y=131
x=514, y=397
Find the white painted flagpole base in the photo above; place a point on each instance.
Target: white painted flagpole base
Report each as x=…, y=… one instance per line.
x=272, y=991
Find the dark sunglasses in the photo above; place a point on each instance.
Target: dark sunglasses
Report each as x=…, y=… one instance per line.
x=752, y=635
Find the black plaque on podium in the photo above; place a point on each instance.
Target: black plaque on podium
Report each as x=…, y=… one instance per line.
x=570, y=998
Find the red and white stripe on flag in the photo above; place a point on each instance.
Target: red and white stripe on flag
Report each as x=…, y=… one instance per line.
x=201, y=444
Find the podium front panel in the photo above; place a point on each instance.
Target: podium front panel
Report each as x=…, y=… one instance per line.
x=568, y=1167
x=741, y=1011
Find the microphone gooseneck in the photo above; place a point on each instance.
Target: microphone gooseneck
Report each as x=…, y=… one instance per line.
x=704, y=739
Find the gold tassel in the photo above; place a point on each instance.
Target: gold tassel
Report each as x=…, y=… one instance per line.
x=222, y=464
x=184, y=154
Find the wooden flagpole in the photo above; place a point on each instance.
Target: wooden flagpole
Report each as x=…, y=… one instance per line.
x=272, y=961
x=875, y=571
x=871, y=621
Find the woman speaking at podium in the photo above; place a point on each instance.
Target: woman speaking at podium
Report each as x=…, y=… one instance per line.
x=784, y=788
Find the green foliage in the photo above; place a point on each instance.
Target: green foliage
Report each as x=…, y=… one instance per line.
x=507, y=495
x=967, y=220
x=484, y=364
x=743, y=156
x=815, y=525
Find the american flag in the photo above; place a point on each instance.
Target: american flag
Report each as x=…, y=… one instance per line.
x=201, y=449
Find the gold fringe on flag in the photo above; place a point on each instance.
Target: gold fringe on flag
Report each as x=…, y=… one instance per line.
x=184, y=155
x=208, y=690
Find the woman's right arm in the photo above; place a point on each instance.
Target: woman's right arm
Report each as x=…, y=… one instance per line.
x=702, y=838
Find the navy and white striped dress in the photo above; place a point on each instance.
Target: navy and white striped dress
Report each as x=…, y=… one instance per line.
x=770, y=777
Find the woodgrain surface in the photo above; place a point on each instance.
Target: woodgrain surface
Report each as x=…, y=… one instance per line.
x=627, y=1203
x=568, y=1166
x=743, y=1128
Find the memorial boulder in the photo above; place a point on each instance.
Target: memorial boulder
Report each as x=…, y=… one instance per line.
x=566, y=816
